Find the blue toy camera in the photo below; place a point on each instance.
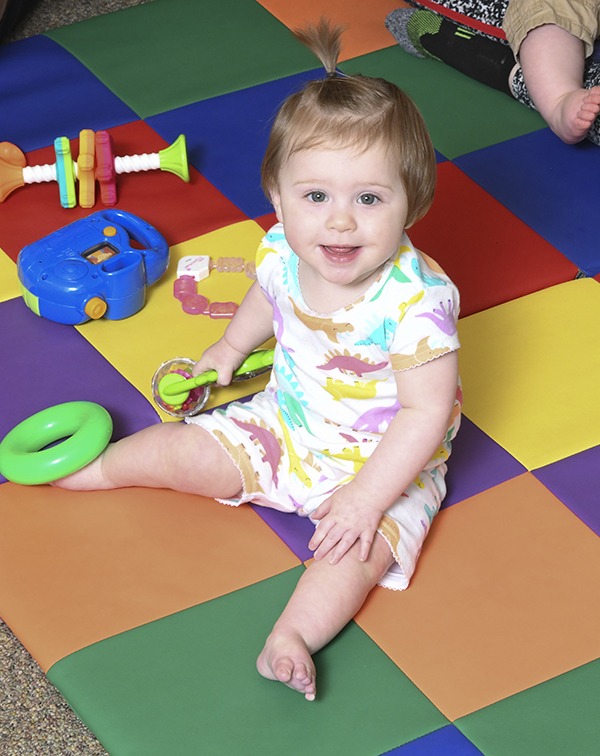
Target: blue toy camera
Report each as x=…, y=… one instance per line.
x=96, y=267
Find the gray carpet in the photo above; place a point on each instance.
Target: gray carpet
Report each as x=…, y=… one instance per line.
x=51, y=14
x=34, y=718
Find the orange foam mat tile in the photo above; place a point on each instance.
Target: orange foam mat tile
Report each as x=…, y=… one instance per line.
x=364, y=20
x=76, y=568
x=531, y=371
x=505, y=597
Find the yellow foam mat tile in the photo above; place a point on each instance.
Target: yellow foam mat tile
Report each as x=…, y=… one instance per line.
x=161, y=330
x=531, y=372
x=9, y=281
x=505, y=596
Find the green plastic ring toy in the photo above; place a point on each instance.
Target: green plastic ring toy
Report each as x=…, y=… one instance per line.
x=86, y=428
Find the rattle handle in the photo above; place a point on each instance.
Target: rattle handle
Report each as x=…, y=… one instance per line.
x=187, y=384
x=258, y=360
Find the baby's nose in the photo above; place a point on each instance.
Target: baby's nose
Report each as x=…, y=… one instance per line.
x=342, y=219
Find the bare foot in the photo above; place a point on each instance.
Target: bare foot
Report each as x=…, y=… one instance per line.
x=574, y=113
x=286, y=658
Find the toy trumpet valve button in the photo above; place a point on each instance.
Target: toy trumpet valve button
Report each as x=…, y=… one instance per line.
x=95, y=308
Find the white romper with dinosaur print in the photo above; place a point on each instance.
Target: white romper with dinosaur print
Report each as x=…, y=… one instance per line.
x=332, y=392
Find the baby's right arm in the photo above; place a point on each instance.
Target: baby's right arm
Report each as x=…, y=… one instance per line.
x=250, y=327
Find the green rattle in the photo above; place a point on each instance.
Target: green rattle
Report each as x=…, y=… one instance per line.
x=174, y=390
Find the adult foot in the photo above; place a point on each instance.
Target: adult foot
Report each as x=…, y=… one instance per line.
x=286, y=658
x=574, y=114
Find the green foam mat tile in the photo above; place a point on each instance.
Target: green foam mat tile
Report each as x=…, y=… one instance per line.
x=187, y=684
x=170, y=53
x=557, y=718
x=462, y=115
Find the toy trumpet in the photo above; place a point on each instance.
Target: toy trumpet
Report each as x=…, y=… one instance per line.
x=95, y=162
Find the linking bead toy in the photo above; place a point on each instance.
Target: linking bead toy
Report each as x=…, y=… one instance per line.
x=95, y=162
x=201, y=266
x=194, y=268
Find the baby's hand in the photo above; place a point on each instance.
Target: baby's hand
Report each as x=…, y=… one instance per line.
x=345, y=517
x=221, y=357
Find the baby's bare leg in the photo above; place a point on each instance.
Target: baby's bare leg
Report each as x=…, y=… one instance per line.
x=552, y=60
x=326, y=598
x=170, y=455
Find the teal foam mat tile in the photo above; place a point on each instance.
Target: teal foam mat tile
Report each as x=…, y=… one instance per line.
x=187, y=684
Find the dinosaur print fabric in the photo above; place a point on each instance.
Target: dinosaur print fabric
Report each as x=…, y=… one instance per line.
x=332, y=392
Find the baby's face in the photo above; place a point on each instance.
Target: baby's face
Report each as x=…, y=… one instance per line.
x=344, y=211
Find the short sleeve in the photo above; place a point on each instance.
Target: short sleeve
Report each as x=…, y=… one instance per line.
x=268, y=260
x=428, y=315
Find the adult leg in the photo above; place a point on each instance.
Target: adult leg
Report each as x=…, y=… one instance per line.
x=552, y=61
x=169, y=455
x=326, y=598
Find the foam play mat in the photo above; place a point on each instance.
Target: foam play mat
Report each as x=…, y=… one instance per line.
x=146, y=609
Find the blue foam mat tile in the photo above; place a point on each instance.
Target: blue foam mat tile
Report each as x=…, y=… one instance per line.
x=551, y=186
x=228, y=149
x=48, y=363
x=448, y=741
x=50, y=94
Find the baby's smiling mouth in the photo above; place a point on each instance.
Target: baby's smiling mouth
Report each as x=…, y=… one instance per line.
x=339, y=252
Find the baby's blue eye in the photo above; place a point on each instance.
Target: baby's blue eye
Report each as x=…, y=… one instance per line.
x=317, y=196
x=368, y=199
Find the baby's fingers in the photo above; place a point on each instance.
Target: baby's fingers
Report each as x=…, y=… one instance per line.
x=335, y=544
x=366, y=542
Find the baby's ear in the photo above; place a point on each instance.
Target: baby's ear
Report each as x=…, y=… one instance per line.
x=276, y=202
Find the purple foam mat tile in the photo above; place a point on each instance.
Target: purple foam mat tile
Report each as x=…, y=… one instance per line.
x=46, y=363
x=51, y=94
x=476, y=464
x=576, y=482
x=293, y=530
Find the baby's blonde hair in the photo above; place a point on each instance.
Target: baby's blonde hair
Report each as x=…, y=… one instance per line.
x=356, y=111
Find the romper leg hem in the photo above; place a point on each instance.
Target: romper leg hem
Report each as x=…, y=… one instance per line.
x=521, y=18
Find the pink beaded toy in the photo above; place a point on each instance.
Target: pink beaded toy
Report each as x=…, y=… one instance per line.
x=194, y=268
